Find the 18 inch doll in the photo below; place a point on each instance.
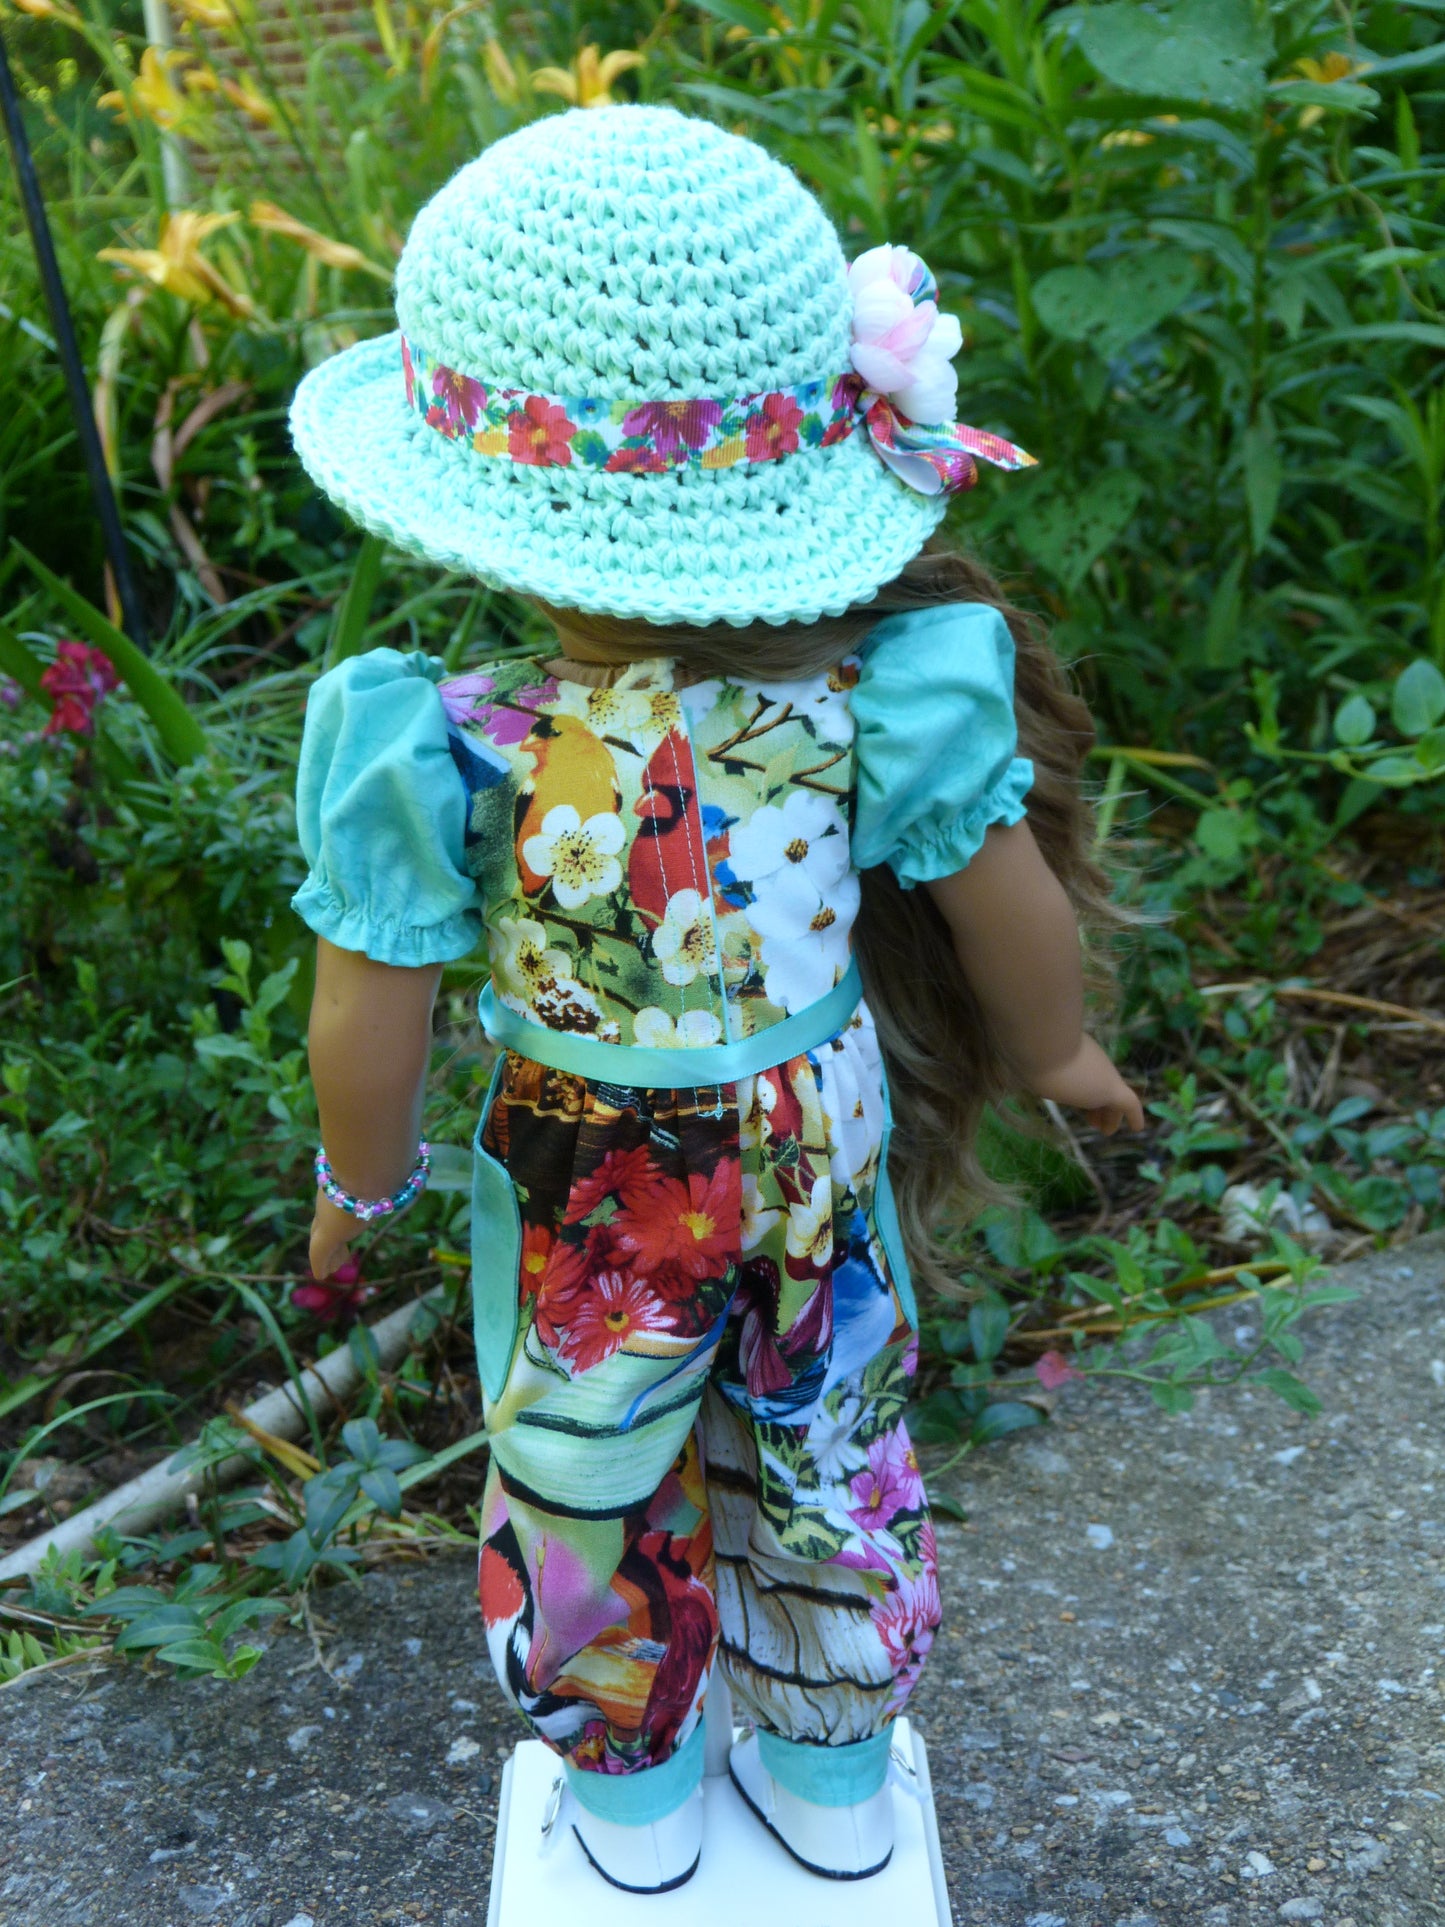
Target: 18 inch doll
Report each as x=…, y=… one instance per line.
x=636, y=382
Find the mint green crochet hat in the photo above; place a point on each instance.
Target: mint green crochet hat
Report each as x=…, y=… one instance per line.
x=599, y=261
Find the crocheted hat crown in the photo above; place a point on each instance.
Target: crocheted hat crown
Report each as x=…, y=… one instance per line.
x=631, y=253
x=620, y=254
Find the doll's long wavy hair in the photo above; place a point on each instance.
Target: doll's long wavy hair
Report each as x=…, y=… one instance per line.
x=943, y=1066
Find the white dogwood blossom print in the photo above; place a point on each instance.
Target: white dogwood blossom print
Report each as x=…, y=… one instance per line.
x=580, y=858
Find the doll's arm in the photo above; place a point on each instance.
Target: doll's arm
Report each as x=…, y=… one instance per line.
x=1014, y=932
x=370, y=1039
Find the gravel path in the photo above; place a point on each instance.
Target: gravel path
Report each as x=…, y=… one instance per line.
x=1189, y=1680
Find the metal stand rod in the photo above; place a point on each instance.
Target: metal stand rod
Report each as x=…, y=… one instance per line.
x=69, y=352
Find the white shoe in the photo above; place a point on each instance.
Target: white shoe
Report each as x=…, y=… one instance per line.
x=840, y=1843
x=650, y=1859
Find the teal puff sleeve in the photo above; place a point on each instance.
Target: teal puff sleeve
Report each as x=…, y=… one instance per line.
x=936, y=740
x=381, y=810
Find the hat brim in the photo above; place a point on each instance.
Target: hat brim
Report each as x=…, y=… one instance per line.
x=785, y=541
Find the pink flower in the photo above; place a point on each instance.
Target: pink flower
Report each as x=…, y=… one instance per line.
x=1054, y=1370
x=459, y=399
x=338, y=1297
x=409, y=372
x=464, y=698
x=903, y=347
x=673, y=424
x=890, y=1485
x=76, y=681
x=906, y=1621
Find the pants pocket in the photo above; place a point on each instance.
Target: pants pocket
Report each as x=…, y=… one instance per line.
x=885, y=1217
x=496, y=1257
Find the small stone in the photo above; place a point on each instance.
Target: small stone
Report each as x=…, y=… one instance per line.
x=415, y=1810
x=203, y=1902
x=1099, y=1537
x=412, y=1647
x=462, y=1750
x=1046, y=1920
x=1001, y=1884
x=1316, y=1864
x=302, y=1737
x=1302, y=1909
x=1257, y=1866
x=1289, y=1455
x=1177, y=1837
x=1369, y=1859
x=301, y=1920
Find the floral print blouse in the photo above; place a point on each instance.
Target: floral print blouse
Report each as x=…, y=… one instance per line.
x=650, y=864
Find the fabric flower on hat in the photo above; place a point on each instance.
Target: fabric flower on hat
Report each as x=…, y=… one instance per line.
x=903, y=347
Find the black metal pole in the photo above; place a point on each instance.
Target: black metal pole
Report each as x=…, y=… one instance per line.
x=60, y=321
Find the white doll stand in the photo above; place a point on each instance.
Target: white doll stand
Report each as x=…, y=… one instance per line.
x=744, y=1876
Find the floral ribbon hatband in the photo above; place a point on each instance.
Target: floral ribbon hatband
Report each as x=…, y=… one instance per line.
x=654, y=437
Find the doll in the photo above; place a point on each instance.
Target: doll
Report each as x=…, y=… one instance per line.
x=773, y=759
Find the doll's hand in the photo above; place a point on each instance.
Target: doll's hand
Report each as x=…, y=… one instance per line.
x=332, y=1230
x=1089, y=1082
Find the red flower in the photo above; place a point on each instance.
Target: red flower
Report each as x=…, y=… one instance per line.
x=605, y=1315
x=1054, y=1370
x=681, y=1233
x=540, y=433
x=772, y=430
x=339, y=1297
x=536, y=1249
x=75, y=682
x=567, y=1270
x=638, y=461
x=628, y=1175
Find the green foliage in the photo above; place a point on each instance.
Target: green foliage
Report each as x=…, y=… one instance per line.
x=1196, y=246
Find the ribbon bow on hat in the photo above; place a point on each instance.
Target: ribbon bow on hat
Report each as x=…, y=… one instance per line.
x=903, y=351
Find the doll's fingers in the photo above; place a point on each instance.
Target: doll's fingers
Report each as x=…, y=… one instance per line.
x=326, y=1253
x=1133, y=1109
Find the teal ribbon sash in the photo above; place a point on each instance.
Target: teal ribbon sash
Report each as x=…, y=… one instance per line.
x=640, y=1068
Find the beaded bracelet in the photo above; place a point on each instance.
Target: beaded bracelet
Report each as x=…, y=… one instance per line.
x=367, y=1208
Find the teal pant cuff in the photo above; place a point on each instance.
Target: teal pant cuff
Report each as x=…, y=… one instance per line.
x=634, y=1799
x=829, y=1776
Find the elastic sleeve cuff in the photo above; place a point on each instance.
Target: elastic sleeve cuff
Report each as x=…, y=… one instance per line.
x=954, y=847
x=351, y=928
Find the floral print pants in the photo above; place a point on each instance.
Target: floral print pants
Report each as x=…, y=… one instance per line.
x=699, y=1451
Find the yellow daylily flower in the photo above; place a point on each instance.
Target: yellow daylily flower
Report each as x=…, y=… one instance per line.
x=332, y=254
x=431, y=47
x=588, y=81
x=222, y=16
x=501, y=75
x=1333, y=67
x=1137, y=136
x=243, y=95
x=178, y=265
x=49, y=10
x=154, y=92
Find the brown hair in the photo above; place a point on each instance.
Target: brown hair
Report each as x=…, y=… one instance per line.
x=943, y=1067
